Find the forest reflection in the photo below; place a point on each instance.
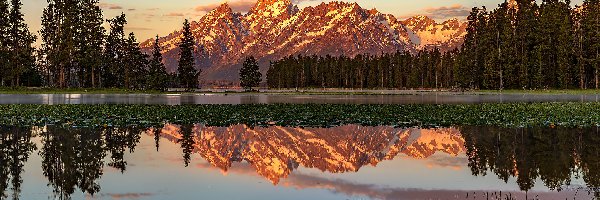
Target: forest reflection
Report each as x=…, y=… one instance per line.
x=74, y=158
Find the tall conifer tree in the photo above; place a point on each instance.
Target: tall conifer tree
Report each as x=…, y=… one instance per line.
x=4, y=40
x=157, y=75
x=590, y=25
x=135, y=64
x=90, y=42
x=113, y=69
x=188, y=75
x=250, y=75
x=21, y=48
x=58, y=41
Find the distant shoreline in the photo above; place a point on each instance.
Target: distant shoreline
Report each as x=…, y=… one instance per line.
x=306, y=91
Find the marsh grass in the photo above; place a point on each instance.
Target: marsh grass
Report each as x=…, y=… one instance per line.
x=309, y=115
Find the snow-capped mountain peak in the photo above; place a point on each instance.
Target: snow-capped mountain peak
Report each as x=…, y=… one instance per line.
x=272, y=8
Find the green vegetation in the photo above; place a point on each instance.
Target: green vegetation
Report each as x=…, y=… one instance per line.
x=509, y=115
x=250, y=75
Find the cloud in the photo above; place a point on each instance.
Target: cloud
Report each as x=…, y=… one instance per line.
x=175, y=14
x=445, y=12
x=110, y=6
x=137, y=28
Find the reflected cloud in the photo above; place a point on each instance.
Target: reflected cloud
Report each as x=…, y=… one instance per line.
x=303, y=181
x=118, y=196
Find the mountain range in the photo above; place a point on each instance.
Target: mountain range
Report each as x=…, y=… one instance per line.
x=273, y=29
x=275, y=152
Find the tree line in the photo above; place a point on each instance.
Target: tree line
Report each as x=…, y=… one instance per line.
x=78, y=52
x=524, y=45
x=427, y=69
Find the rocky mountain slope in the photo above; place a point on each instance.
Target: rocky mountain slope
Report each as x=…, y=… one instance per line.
x=274, y=29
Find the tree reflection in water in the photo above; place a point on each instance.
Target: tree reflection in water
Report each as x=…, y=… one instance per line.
x=553, y=155
x=15, y=148
x=74, y=158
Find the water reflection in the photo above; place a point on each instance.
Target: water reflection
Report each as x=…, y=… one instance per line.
x=552, y=155
x=384, y=98
x=75, y=159
x=276, y=151
x=15, y=148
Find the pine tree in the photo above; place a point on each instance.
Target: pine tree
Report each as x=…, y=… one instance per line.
x=89, y=42
x=590, y=25
x=21, y=58
x=113, y=69
x=58, y=36
x=135, y=64
x=4, y=40
x=72, y=39
x=554, y=44
x=473, y=50
x=525, y=27
x=48, y=50
x=250, y=75
x=188, y=75
x=564, y=33
x=578, y=52
x=157, y=75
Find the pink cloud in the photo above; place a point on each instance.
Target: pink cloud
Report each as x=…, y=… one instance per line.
x=175, y=14
x=444, y=12
x=110, y=6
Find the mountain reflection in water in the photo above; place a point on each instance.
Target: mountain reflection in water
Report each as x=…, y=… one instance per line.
x=75, y=159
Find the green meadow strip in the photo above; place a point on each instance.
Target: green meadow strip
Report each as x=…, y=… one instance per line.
x=507, y=115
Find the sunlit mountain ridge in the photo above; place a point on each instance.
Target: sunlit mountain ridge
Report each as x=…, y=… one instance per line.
x=274, y=29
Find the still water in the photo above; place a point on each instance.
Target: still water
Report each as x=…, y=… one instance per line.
x=345, y=162
x=424, y=98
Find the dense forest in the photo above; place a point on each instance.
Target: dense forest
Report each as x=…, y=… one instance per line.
x=77, y=52
x=520, y=45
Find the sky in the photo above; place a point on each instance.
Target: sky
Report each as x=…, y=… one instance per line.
x=148, y=18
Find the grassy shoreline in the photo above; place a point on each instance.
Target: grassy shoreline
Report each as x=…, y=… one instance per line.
x=310, y=115
x=309, y=91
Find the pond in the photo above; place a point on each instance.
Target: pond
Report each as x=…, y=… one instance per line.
x=278, y=162
x=179, y=99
